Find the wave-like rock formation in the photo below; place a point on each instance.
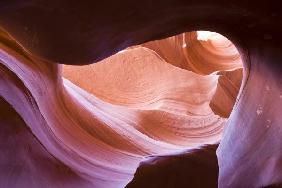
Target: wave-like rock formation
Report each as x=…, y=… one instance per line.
x=192, y=51
x=91, y=126
x=101, y=119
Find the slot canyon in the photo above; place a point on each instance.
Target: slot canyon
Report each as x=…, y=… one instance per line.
x=149, y=94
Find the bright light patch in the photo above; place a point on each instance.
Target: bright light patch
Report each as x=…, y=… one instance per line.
x=122, y=51
x=206, y=35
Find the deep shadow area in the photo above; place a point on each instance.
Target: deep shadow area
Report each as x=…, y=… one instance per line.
x=196, y=168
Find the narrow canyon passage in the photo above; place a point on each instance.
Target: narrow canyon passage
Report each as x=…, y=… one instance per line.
x=129, y=94
x=152, y=99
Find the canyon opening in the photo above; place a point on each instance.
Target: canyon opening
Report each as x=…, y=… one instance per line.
x=161, y=97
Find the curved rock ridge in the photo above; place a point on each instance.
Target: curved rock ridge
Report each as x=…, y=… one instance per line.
x=202, y=52
x=97, y=123
x=229, y=84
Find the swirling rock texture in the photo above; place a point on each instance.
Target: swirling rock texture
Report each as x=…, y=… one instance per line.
x=94, y=126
